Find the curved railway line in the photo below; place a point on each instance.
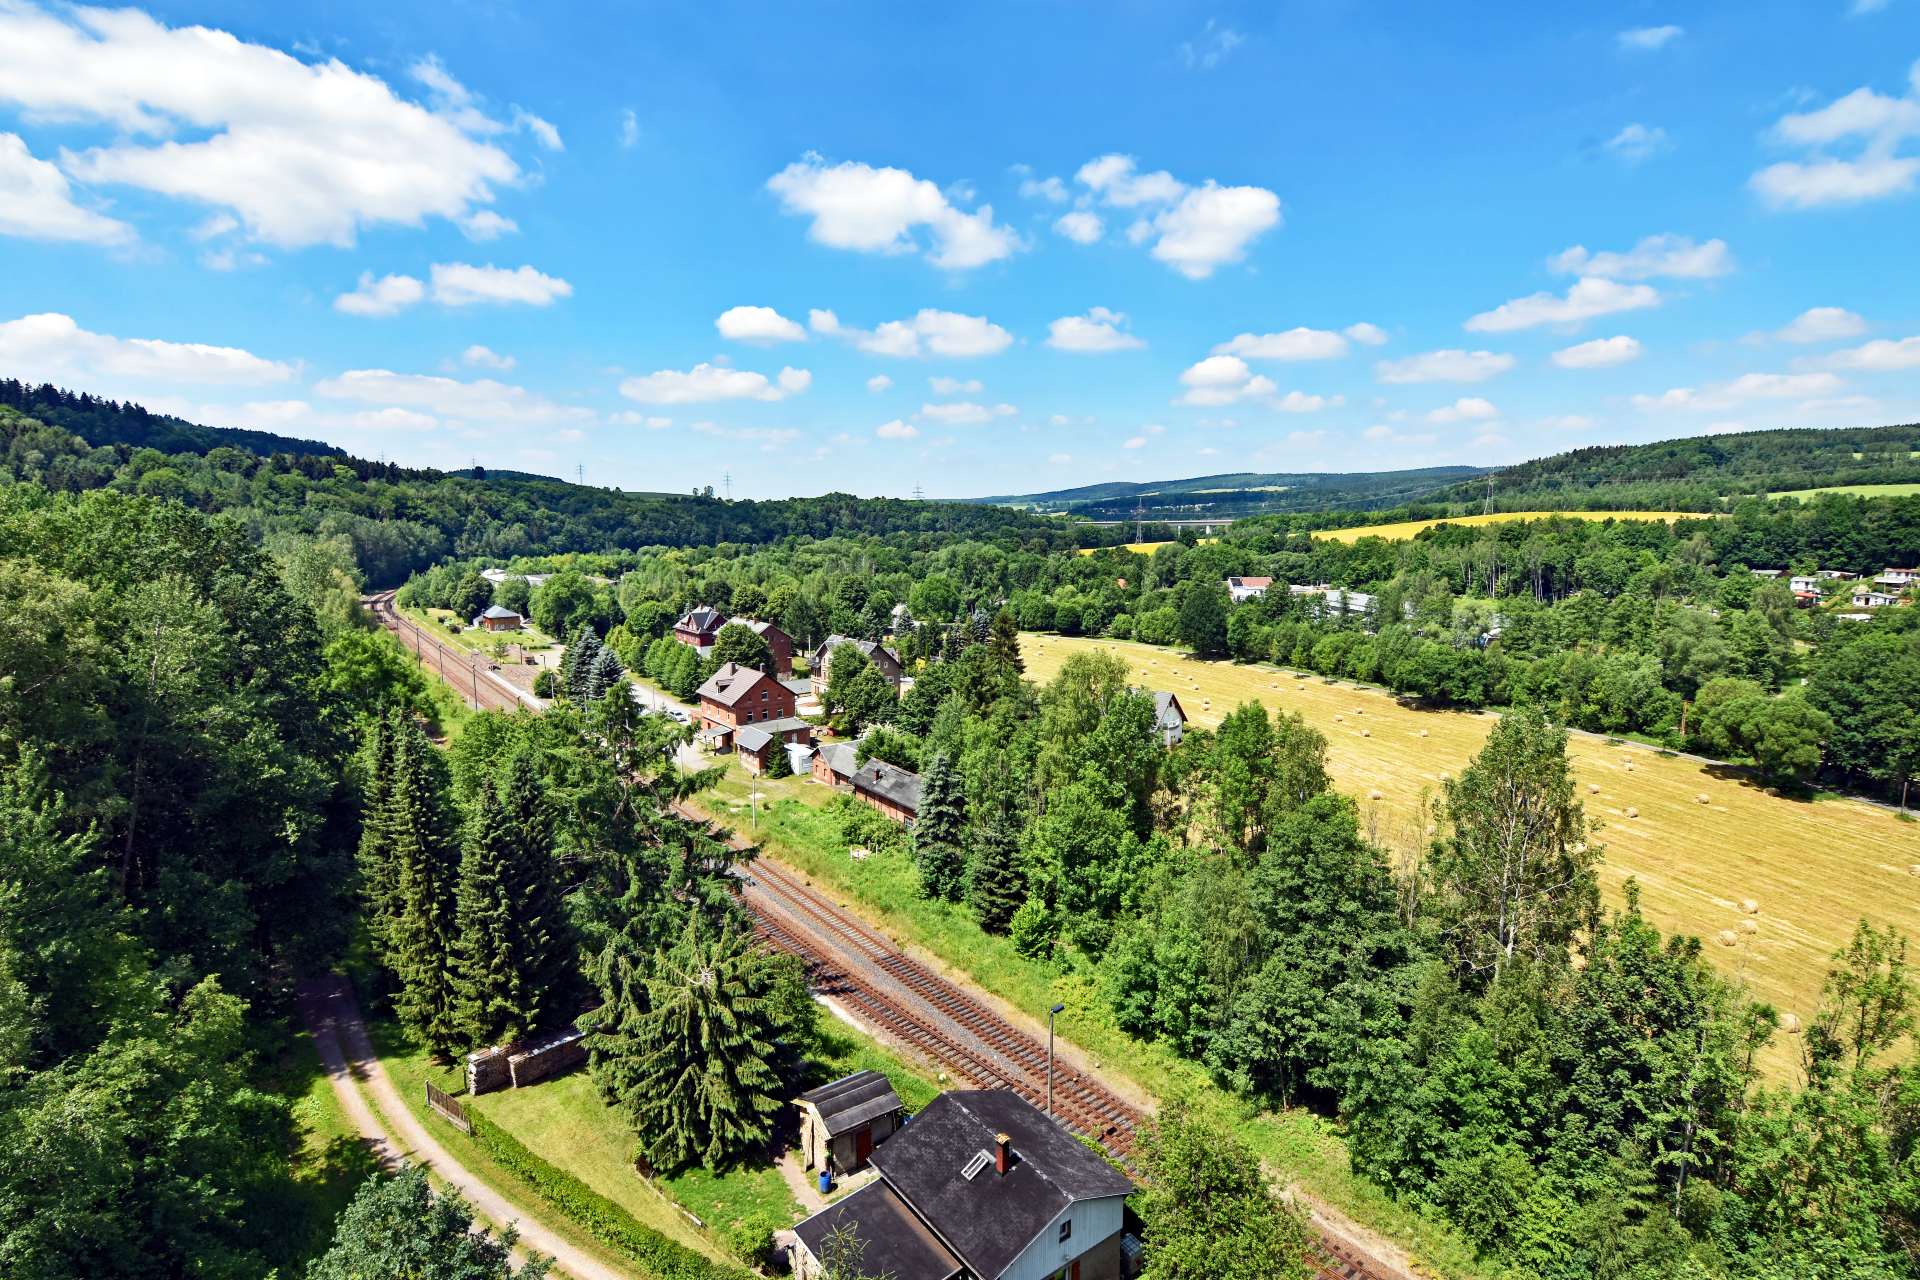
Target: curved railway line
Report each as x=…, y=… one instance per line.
x=867, y=973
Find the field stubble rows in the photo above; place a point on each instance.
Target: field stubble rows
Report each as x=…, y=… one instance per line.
x=1704, y=843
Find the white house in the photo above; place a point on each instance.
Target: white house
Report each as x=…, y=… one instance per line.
x=1245, y=589
x=1896, y=577
x=1874, y=599
x=981, y=1184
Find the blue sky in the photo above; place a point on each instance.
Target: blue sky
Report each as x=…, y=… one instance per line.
x=974, y=250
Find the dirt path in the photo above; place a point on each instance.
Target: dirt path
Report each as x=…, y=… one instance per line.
x=340, y=1037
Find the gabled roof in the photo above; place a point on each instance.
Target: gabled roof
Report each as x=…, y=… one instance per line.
x=897, y=1243
x=988, y=1220
x=852, y=1100
x=839, y=757
x=754, y=737
x=731, y=683
x=1237, y=581
x=500, y=611
x=702, y=619
x=890, y=782
x=1167, y=710
x=872, y=648
x=758, y=627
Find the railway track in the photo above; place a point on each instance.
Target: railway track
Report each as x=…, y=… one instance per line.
x=864, y=971
x=461, y=670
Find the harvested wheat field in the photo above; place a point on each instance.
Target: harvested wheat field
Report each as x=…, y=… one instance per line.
x=1407, y=528
x=1772, y=886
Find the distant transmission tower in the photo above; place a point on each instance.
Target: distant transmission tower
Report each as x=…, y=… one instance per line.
x=919, y=494
x=727, y=479
x=1139, y=519
x=1489, y=509
x=579, y=474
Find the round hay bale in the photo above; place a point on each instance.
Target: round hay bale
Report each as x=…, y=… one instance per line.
x=1359, y=711
x=1749, y=926
x=1339, y=719
x=1727, y=938
x=1423, y=733
x=1914, y=869
x=1790, y=1023
x=1375, y=794
x=1632, y=812
x=1703, y=798
x=1366, y=733
x=1593, y=788
x=1749, y=906
x=1629, y=766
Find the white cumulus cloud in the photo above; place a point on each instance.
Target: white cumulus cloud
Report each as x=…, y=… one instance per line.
x=1637, y=143
x=929, y=332
x=300, y=153
x=1080, y=226
x=858, y=207
x=1369, y=335
x=381, y=297
x=1646, y=39
x=1875, y=126
x=481, y=401
x=965, y=413
x=1452, y=365
x=1669, y=255
x=896, y=430
x=942, y=386
x=1823, y=324
x=1882, y=355
x=1194, y=230
x=1590, y=296
x=759, y=325
x=879, y=382
x=486, y=358
x=1291, y=344
x=50, y=346
x=1099, y=331
x=1601, y=353
x=1465, y=409
x=453, y=284
x=36, y=202
x=705, y=382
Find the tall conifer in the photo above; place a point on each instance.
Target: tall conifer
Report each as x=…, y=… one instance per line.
x=423, y=853
x=940, y=829
x=995, y=885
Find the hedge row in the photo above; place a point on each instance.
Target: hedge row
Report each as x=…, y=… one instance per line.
x=657, y=1256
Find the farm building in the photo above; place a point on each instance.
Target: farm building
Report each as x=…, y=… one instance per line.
x=981, y=1184
x=882, y=657
x=1244, y=589
x=833, y=765
x=697, y=628
x=499, y=618
x=889, y=788
x=735, y=696
x=842, y=1122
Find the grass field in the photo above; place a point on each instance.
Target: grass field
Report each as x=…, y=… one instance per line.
x=1857, y=490
x=487, y=642
x=1407, y=528
x=327, y=1168
x=1814, y=867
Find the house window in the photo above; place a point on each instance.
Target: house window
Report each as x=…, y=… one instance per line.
x=1066, y=1231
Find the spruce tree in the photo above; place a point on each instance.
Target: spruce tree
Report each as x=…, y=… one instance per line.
x=545, y=948
x=486, y=974
x=582, y=653
x=375, y=853
x=423, y=853
x=1003, y=641
x=607, y=673
x=706, y=1089
x=995, y=885
x=939, y=831
x=615, y=1047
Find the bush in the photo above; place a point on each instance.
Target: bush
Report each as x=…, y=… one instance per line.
x=546, y=685
x=599, y=1217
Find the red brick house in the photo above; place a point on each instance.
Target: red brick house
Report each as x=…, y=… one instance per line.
x=779, y=644
x=833, y=765
x=697, y=628
x=882, y=657
x=499, y=618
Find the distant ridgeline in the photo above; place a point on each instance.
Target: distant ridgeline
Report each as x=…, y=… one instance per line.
x=1243, y=493
x=103, y=422
x=1695, y=473
x=402, y=519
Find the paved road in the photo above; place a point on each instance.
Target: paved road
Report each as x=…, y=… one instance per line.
x=339, y=1035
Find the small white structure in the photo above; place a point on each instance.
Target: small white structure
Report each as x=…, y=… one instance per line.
x=1874, y=599
x=1245, y=589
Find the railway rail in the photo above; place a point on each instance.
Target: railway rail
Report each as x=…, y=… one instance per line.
x=867, y=973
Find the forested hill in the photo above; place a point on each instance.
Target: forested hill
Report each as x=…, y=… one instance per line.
x=103, y=422
x=1243, y=493
x=401, y=520
x=1692, y=474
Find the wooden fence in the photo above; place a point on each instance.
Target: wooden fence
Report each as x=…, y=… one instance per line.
x=447, y=1105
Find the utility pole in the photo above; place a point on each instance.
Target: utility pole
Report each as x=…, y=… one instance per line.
x=1139, y=520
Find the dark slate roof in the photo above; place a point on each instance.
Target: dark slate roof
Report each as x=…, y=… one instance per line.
x=839, y=757
x=990, y=1218
x=731, y=683
x=703, y=619
x=890, y=782
x=852, y=1100
x=499, y=611
x=897, y=1243
x=881, y=655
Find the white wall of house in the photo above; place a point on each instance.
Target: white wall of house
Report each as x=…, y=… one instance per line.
x=1093, y=1222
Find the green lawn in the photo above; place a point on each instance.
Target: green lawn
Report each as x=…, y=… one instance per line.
x=490, y=643
x=329, y=1164
x=884, y=887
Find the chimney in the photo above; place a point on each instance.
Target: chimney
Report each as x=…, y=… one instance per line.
x=1002, y=1154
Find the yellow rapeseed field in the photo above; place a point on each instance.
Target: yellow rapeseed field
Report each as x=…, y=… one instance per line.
x=1407, y=528
x=1773, y=886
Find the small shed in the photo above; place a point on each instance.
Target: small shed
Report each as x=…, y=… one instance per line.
x=842, y=1122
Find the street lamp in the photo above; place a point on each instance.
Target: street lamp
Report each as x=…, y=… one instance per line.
x=1051, y=1014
